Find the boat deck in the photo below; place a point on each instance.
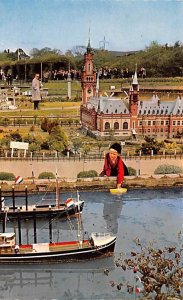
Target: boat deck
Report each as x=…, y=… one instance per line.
x=54, y=247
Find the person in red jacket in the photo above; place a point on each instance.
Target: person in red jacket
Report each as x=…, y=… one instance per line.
x=113, y=164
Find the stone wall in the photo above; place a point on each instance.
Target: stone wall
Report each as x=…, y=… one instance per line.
x=70, y=168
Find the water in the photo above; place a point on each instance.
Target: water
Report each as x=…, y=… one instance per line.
x=151, y=215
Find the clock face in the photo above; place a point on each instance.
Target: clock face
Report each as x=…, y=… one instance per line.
x=89, y=90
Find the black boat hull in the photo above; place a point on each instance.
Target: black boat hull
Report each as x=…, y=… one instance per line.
x=62, y=212
x=59, y=256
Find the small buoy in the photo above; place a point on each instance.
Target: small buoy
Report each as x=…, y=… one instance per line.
x=118, y=191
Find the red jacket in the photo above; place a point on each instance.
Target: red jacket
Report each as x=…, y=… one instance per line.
x=113, y=170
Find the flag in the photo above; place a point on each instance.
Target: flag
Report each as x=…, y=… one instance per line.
x=69, y=202
x=18, y=179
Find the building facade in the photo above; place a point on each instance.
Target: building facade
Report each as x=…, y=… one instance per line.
x=130, y=116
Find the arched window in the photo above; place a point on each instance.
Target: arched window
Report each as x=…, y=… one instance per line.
x=125, y=125
x=107, y=125
x=149, y=112
x=116, y=125
x=107, y=111
x=116, y=111
x=125, y=111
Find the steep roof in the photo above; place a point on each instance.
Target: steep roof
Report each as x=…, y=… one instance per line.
x=108, y=105
x=156, y=107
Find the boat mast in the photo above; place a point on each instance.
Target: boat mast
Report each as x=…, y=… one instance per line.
x=57, y=192
x=80, y=236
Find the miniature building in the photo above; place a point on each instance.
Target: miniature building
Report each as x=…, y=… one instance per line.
x=7, y=242
x=126, y=117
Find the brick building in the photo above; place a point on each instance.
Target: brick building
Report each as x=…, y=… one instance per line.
x=126, y=117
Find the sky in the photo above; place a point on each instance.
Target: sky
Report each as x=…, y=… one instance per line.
x=125, y=25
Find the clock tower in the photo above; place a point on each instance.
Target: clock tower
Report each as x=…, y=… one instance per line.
x=88, y=78
x=133, y=104
x=134, y=96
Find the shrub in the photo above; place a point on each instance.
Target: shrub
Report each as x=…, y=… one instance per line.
x=86, y=174
x=46, y=175
x=131, y=171
x=7, y=176
x=168, y=169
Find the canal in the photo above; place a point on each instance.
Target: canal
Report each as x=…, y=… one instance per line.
x=151, y=215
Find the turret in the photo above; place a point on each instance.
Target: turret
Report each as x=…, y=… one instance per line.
x=134, y=96
x=88, y=78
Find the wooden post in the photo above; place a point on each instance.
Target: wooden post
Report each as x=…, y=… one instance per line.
x=0, y=199
x=19, y=226
x=13, y=197
x=35, y=234
x=4, y=221
x=50, y=225
x=26, y=198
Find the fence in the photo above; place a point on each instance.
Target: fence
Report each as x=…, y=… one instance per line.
x=58, y=156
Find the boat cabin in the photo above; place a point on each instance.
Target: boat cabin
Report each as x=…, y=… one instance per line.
x=7, y=242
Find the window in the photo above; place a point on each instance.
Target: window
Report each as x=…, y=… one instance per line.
x=178, y=123
x=162, y=122
x=125, y=125
x=149, y=123
x=116, y=125
x=167, y=122
x=89, y=67
x=174, y=123
x=107, y=125
x=154, y=123
x=116, y=111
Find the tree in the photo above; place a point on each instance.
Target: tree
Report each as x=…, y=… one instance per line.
x=16, y=136
x=86, y=149
x=99, y=145
x=77, y=143
x=151, y=144
x=57, y=139
x=47, y=125
x=158, y=272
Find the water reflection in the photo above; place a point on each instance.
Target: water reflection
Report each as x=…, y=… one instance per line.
x=152, y=215
x=111, y=213
x=54, y=281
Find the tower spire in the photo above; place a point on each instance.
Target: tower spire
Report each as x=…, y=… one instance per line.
x=89, y=45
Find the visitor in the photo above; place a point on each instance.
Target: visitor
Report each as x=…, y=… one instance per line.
x=114, y=165
x=36, y=93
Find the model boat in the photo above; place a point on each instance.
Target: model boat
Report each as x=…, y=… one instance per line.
x=99, y=244
x=61, y=209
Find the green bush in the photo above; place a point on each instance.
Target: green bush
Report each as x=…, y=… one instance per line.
x=46, y=175
x=7, y=176
x=168, y=169
x=86, y=174
x=132, y=171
